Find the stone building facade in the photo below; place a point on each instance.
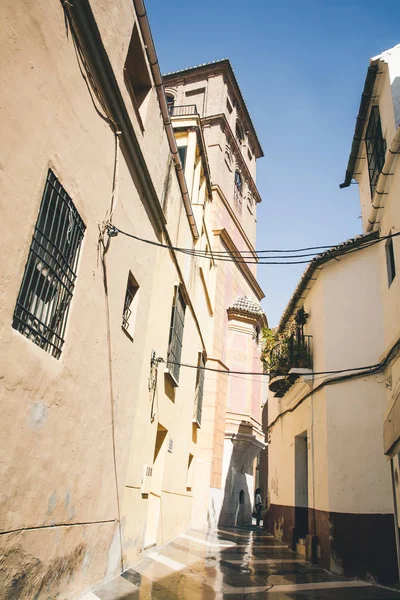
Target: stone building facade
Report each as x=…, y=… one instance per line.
x=231, y=436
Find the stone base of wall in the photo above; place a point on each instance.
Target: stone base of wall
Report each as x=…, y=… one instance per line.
x=353, y=545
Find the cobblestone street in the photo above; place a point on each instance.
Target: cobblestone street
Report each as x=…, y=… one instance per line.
x=233, y=564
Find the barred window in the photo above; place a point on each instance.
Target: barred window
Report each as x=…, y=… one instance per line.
x=376, y=147
x=48, y=283
x=198, y=398
x=176, y=335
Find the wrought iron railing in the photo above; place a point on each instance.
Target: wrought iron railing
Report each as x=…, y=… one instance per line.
x=182, y=111
x=294, y=352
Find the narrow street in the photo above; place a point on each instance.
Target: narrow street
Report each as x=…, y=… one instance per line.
x=233, y=564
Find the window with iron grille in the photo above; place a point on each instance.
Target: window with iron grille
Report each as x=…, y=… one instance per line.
x=376, y=148
x=176, y=335
x=48, y=283
x=130, y=306
x=198, y=397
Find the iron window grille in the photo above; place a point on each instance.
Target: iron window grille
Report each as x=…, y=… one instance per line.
x=198, y=398
x=176, y=334
x=376, y=148
x=48, y=283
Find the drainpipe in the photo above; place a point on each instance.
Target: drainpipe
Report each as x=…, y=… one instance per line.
x=382, y=181
x=155, y=69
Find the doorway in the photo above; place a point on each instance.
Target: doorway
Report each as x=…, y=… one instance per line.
x=301, y=485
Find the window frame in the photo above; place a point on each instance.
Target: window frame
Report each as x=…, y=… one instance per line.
x=50, y=270
x=176, y=331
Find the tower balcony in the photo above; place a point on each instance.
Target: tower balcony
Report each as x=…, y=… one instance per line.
x=182, y=111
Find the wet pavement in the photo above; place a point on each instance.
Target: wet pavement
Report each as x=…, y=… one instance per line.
x=232, y=564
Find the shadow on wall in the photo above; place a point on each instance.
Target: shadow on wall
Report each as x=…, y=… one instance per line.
x=238, y=499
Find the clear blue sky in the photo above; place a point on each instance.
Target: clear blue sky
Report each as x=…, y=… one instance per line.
x=301, y=65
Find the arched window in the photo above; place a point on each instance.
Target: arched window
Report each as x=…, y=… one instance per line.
x=238, y=191
x=170, y=102
x=239, y=133
x=238, y=181
x=241, y=497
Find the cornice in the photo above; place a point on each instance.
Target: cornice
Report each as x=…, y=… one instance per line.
x=237, y=151
x=242, y=266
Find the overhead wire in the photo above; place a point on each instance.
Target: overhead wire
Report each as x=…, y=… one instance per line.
x=235, y=257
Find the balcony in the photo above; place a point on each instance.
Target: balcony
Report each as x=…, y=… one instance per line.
x=182, y=111
x=294, y=352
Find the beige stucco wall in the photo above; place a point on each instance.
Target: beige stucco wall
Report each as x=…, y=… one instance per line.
x=347, y=470
x=59, y=473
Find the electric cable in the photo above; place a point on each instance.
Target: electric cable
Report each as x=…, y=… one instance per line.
x=257, y=373
x=230, y=257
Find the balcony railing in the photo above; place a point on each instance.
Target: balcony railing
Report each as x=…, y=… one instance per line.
x=293, y=353
x=182, y=111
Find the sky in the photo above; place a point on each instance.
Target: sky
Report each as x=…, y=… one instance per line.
x=301, y=66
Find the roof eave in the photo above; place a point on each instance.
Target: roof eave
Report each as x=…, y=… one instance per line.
x=319, y=260
x=361, y=118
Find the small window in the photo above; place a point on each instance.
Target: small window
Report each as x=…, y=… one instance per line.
x=238, y=181
x=238, y=191
x=137, y=76
x=48, y=283
x=229, y=106
x=376, y=148
x=239, y=133
x=257, y=332
x=130, y=306
x=198, y=397
x=176, y=335
x=390, y=264
x=182, y=150
x=170, y=103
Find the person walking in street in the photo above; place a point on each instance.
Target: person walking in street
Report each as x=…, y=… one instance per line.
x=258, y=505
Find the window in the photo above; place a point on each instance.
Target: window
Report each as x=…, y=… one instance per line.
x=229, y=106
x=198, y=397
x=176, y=335
x=170, y=103
x=137, y=76
x=390, y=264
x=182, y=155
x=376, y=148
x=48, y=283
x=238, y=191
x=130, y=306
x=239, y=133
